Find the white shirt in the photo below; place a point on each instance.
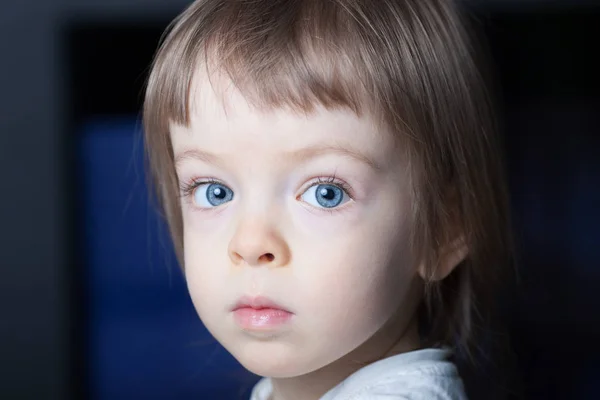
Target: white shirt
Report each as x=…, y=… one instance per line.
x=418, y=375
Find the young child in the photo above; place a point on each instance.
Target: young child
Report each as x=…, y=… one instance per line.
x=332, y=185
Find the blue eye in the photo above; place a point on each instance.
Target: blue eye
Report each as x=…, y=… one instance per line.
x=325, y=196
x=208, y=195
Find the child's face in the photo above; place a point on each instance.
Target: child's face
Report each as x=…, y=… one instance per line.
x=310, y=211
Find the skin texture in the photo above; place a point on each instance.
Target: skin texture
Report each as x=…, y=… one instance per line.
x=346, y=273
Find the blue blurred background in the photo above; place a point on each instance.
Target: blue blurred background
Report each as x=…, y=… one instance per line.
x=143, y=337
x=93, y=305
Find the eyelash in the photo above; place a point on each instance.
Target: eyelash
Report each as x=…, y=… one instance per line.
x=187, y=189
x=332, y=180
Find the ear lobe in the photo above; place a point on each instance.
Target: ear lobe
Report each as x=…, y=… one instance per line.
x=450, y=256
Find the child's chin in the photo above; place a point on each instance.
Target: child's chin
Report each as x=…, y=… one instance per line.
x=265, y=371
x=274, y=361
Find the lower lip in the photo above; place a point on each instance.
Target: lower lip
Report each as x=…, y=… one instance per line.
x=261, y=319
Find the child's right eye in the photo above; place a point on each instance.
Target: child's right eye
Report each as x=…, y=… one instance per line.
x=326, y=196
x=211, y=194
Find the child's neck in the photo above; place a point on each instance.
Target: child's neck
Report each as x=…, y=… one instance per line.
x=314, y=385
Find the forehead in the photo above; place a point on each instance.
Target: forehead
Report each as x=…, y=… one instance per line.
x=222, y=119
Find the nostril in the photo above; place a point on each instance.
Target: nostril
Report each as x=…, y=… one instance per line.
x=268, y=257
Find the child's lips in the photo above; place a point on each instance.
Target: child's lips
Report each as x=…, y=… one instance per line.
x=257, y=302
x=261, y=319
x=260, y=313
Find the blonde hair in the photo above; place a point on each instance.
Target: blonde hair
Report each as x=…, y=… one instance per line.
x=409, y=64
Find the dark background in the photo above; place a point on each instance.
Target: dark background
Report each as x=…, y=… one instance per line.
x=74, y=68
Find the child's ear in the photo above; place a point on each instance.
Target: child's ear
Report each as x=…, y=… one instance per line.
x=450, y=256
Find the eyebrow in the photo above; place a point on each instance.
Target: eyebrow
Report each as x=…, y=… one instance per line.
x=300, y=155
x=195, y=154
x=319, y=150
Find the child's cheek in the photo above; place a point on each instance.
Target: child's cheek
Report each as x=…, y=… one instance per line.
x=326, y=224
x=206, y=241
x=207, y=231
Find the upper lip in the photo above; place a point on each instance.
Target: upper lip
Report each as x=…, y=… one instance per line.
x=257, y=303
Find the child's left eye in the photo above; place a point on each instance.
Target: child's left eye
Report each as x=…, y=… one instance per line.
x=211, y=194
x=325, y=195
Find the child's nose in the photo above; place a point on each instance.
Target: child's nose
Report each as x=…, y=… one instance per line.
x=257, y=244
